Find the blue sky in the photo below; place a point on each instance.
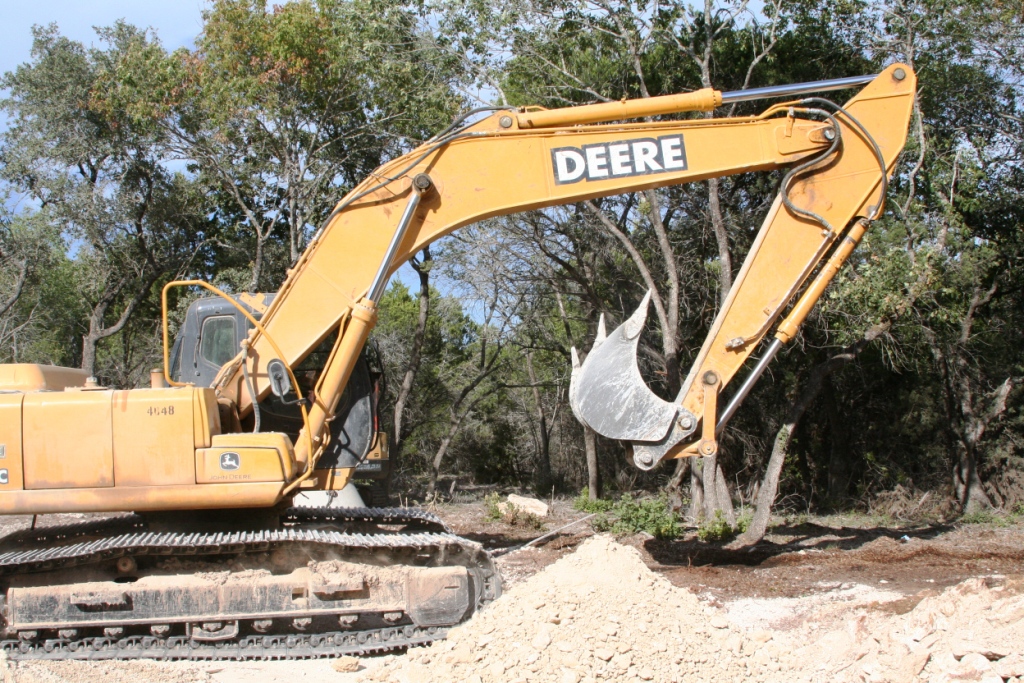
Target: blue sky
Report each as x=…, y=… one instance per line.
x=177, y=23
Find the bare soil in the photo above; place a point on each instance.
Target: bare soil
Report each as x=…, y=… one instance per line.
x=806, y=579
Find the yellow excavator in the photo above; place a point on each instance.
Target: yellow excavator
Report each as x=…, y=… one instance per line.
x=212, y=560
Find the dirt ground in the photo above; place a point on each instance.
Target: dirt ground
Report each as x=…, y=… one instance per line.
x=803, y=572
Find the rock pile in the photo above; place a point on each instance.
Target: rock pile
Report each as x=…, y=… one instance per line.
x=601, y=615
x=529, y=506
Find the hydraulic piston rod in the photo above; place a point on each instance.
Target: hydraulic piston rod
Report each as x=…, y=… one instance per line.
x=747, y=385
x=420, y=184
x=795, y=89
x=706, y=99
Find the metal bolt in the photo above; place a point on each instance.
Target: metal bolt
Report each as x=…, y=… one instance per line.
x=899, y=74
x=710, y=378
x=505, y=122
x=830, y=134
x=644, y=458
x=686, y=422
x=422, y=182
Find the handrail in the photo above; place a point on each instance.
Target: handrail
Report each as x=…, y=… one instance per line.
x=256, y=323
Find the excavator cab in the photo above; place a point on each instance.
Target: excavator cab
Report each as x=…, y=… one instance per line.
x=212, y=334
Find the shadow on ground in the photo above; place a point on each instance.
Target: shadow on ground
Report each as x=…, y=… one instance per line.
x=800, y=539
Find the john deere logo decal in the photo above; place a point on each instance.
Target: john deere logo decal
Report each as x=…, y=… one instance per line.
x=643, y=156
x=230, y=461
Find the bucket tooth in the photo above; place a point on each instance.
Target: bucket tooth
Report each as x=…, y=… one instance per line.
x=607, y=392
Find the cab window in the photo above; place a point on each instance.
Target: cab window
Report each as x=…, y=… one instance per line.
x=176, y=359
x=218, y=344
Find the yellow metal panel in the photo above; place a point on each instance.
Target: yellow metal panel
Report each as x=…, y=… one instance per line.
x=11, y=475
x=153, y=437
x=260, y=440
x=67, y=439
x=142, y=498
x=32, y=377
x=206, y=418
x=241, y=464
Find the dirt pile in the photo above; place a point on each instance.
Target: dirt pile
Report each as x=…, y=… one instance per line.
x=601, y=614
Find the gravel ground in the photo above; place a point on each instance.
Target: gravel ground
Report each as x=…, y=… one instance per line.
x=601, y=614
x=817, y=601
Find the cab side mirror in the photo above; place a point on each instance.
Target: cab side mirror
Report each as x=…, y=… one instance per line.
x=280, y=385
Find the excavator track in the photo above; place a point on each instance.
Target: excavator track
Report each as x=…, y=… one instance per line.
x=371, y=542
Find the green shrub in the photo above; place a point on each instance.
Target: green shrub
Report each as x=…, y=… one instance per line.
x=716, y=529
x=583, y=503
x=650, y=515
x=493, y=511
x=743, y=521
x=982, y=517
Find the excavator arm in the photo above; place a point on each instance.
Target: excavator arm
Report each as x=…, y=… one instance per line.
x=518, y=160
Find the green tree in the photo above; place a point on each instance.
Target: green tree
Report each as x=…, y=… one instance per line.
x=281, y=109
x=98, y=174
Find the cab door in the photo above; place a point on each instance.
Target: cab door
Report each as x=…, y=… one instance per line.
x=218, y=343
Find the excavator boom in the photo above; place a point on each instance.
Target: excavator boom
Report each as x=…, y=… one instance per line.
x=517, y=161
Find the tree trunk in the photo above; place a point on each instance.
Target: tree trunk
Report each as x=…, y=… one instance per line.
x=435, y=465
x=709, y=470
x=293, y=225
x=770, y=485
x=416, y=353
x=89, y=351
x=458, y=414
x=589, y=435
x=969, y=490
x=543, y=478
x=593, y=472
x=257, y=264
x=724, y=497
x=696, y=489
x=442, y=450
x=839, y=465
x=713, y=500
x=964, y=425
x=96, y=329
x=721, y=237
x=715, y=490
